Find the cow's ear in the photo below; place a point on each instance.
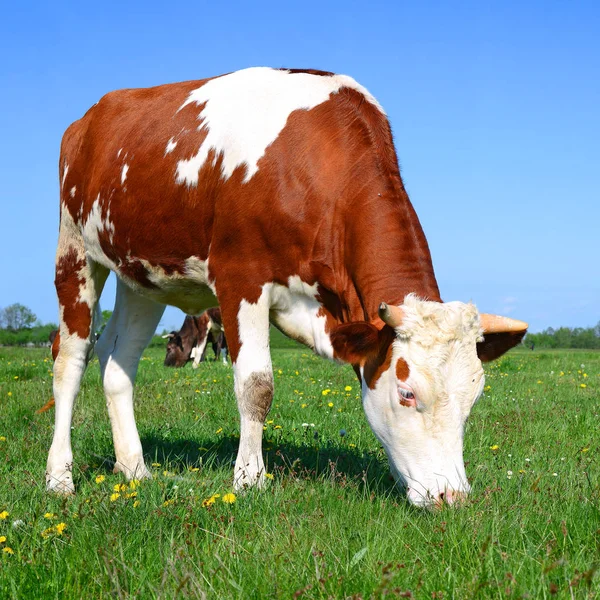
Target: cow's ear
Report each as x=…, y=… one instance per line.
x=355, y=342
x=177, y=339
x=495, y=345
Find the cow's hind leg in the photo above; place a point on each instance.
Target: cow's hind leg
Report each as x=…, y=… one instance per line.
x=119, y=349
x=247, y=325
x=79, y=282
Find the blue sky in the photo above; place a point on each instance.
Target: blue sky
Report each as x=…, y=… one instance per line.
x=494, y=105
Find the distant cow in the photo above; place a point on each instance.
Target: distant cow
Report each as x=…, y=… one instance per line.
x=191, y=341
x=276, y=194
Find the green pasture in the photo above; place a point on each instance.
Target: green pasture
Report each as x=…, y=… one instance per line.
x=330, y=523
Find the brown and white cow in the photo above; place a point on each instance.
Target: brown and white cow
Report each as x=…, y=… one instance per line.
x=191, y=341
x=276, y=194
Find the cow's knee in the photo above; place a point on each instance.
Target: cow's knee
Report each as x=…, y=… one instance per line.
x=256, y=396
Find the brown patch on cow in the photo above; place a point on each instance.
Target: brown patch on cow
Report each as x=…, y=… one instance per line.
x=257, y=396
x=402, y=370
x=309, y=72
x=55, y=345
x=77, y=315
x=379, y=363
x=354, y=342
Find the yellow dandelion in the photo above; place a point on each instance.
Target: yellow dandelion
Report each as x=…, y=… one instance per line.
x=325, y=392
x=2, y=539
x=7, y=550
x=136, y=504
x=494, y=447
x=583, y=450
x=2, y=438
x=60, y=528
x=156, y=464
x=47, y=532
x=134, y=483
x=220, y=430
x=100, y=478
x=228, y=498
x=119, y=487
x=330, y=404
x=49, y=516
x=269, y=475
x=10, y=393
x=115, y=496
x=208, y=501
x=487, y=388
x=348, y=388
x=169, y=502
x=277, y=427
x=16, y=377
x=304, y=405
x=582, y=385
x=131, y=495
x=4, y=514
x=194, y=469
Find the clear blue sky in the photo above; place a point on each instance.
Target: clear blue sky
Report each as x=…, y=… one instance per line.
x=495, y=108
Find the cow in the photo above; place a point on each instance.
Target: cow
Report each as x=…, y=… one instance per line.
x=191, y=341
x=276, y=194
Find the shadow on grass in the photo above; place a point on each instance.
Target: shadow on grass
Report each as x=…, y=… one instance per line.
x=298, y=461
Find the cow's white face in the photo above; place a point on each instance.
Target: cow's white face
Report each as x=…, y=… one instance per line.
x=419, y=405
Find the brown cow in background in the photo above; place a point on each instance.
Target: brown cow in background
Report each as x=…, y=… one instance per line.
x=191, y=341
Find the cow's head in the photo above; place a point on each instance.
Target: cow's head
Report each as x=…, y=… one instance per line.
x=176, y=356
x=421, y=374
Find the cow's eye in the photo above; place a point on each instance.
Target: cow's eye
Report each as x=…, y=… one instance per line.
x=407, y=396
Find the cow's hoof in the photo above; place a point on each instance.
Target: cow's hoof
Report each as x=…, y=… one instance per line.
x=243, y=480
x=61, y=484
x=140, y=471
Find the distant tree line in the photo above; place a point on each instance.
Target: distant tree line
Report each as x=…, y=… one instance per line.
x=565, y=337
x=19, y=327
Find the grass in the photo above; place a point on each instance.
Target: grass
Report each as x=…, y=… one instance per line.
x=330, y=523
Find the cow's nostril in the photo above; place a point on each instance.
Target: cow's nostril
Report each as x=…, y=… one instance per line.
x=451, y=497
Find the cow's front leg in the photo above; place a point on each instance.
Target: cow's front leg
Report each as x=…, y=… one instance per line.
x=253, y=376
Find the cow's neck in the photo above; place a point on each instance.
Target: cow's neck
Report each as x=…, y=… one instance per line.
x=389, y=256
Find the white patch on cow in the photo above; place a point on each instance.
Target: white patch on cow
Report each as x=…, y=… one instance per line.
x=198, y=350
x=425, y=444
x=124, y=173
x=119, y=152
x=253, y=331
x=62, y=183
x=295, y=311
x=245, y=112
x=94, y=224
x=72, y=192
x=170, y=146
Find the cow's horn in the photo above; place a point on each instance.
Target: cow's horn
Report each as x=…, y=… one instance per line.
x=167, y=335
x=391, y=315
x=498, y=324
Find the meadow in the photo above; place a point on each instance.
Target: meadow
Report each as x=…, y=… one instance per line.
x=330, y=523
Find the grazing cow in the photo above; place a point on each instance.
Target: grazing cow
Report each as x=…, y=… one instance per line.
x=275, y=193
x=191, y=341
